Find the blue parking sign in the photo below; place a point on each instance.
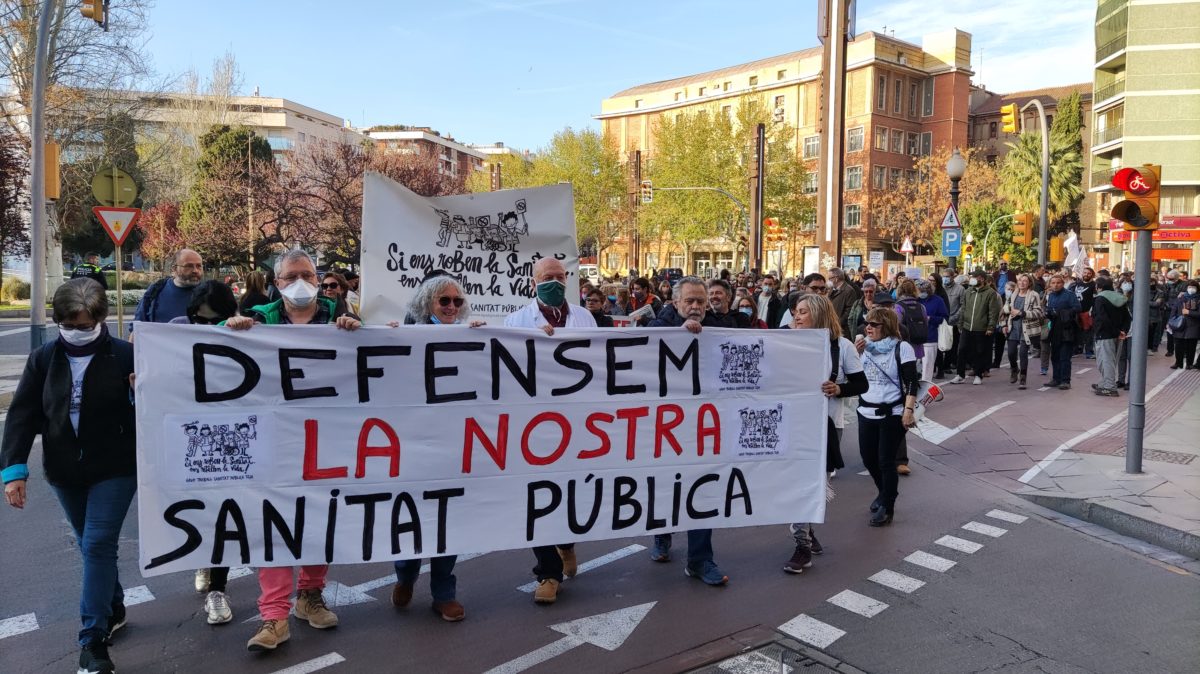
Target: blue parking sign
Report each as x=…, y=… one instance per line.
x=951, y=242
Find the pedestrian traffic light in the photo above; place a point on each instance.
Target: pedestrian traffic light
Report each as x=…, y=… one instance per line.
x=1008, y=118
x=1139, y=209
x=968, y=249
x=647, y=192
x=96, y=10
x=1023, y=229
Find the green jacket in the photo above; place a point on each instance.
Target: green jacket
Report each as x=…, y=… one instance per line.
x=980, y=309
x=272, y=314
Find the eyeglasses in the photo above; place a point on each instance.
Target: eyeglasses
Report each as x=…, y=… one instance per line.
x=203, y=320
x=873, y=324
x=195, y=266
x=75, y=326
x=817, y=289
x=331, y=286
x=307, y=276
x=595, y=300
x=445, y=301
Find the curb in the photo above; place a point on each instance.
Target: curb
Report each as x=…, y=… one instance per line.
x=1124, y=518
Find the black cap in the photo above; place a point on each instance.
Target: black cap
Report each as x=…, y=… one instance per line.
x=980, y=273
x=883, y=297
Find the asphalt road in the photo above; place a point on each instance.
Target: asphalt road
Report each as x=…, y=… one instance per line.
x=1040, y=597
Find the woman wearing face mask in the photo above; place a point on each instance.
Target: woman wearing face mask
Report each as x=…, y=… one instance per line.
x=1022, y=316
x=846, y=380
x=75, y=393
x=885, y=410
x=1187, y=306
x=749, y=309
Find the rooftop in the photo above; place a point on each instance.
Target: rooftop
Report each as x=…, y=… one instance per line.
x=1048, y=96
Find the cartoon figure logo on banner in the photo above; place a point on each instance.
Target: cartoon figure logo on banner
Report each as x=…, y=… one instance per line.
x=503, y=234
x=760, y=427
x=220, y=449
x=739, y=365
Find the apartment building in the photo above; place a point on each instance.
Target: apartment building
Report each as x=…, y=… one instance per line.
x=454, y=158
x=902, y=101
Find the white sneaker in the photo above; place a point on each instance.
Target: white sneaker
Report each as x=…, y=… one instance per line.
x=957, y=379
x=202, y=580
x=978, y=381
x=217, y=606
x=833, y=473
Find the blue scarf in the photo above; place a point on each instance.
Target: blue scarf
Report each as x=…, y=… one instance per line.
x=882, y=346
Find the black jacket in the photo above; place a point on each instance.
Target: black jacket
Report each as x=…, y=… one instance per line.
x=1109, y=320
x=602, y=320
x=107, y=443
x=669, y=318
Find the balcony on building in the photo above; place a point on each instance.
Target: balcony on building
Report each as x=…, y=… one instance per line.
x=1112, y=34
x=1108, y=131
x=1109, y=90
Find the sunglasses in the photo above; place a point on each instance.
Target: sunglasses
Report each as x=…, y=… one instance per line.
x=445, y=301
x=873, y=324
x=817, y=289
x=331, y=286
x=201, y=320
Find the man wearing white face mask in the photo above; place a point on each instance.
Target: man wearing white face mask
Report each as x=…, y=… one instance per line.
x=296, y=278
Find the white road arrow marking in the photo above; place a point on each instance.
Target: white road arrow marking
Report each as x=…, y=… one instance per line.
x=316, y=664
x=935, y=433
x=11, y=627
x=606, y=630
x=138, y=595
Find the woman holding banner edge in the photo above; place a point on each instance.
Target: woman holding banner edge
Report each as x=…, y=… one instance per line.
x=440, y=300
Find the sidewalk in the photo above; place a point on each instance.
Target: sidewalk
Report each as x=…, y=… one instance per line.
x=1161, y=505
x=11, y=368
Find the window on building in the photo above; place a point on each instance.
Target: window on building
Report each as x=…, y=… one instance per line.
x=812, y=147
x=878, y=177
x=779, y=100
x=854, y=177
x=614, y=261
x=854, y=139
x=700, y=91
x=894, y=176
x=637, y=103
x=810, y=182
x=897, y=141
x=898, y=96
x=727, y=110
x=926, y=143
x=881, y=138
x=679, y=95
x=992, y=130
x=780, y=74
x=1049, y=121
x=677, y=260
x=853, y=216
x=810, y=222
x=914, y=143
x=927, y=98
x=912, y=99
x=910, y=175
x=881, y=93
x=725, y=86
x=754, y=80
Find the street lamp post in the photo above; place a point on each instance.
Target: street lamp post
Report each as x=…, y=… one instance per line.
x=956, y=168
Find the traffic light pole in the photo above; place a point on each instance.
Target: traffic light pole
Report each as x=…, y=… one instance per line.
x=1137, y=361
x=37, y=183
x=1043, y=225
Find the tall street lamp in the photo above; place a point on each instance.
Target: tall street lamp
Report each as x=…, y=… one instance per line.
x=956, y=168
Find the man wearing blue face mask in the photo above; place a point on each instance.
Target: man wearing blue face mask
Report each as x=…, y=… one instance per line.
x=549, y=311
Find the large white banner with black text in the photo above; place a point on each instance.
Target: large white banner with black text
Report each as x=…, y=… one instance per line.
x=287, y=445
x=488, y=241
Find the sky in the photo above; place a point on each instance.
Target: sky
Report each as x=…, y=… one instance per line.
x=517, y=71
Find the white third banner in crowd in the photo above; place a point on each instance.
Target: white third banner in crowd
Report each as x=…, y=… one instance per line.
x=288, y=445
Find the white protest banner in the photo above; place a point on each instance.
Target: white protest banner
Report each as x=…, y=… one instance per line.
x=488, y=241
x=287, y=445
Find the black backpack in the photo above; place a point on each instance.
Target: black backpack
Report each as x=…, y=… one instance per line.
x=914, y=324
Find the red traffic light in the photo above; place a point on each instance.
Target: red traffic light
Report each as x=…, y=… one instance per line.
x=1133, y=180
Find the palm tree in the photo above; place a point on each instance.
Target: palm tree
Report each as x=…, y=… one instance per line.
x=1021, y=175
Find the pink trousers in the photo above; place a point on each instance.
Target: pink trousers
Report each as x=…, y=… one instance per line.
x=275, y=588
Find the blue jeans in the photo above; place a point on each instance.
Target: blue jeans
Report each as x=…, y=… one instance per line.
x=699, y=550
x=1061, y=361
x=96, y=514
x=442, y=582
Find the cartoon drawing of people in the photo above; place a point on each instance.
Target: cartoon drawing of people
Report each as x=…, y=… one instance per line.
x=443, y=228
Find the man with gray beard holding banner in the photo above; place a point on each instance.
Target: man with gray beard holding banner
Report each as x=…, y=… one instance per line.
x=548, y=311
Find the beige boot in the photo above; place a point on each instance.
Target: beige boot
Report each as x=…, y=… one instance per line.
x=546, y=592
x=270, y=634
x=570, y=562
x=310, y=606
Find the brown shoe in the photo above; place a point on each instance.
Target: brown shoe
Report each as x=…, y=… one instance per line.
x=546, y=592
x=310, y=606
x=401, y=595
x=570, y=563
x=270, y=634
x=903, y=469
x=451, y=611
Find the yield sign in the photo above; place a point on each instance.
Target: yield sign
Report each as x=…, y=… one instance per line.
x=950, y=220
x=118, y=222
x=907, y=246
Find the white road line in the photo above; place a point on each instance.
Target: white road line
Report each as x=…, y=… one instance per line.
x=537, y=657
x=932, y=562
x=985, y=529
x=327, y=660
x=1006, y=516
x=935, y=433
x=812, y=631
x=240, y=572
x=857, y=603
x=1044, y=463
x=14, y=331
x=960, y=544
x=1045, y=388
x=138, y=595
x=896, y=581
x=11, y=627
x=1084, y=370
x=754, y=662
x=865, y=472
x=593, y=563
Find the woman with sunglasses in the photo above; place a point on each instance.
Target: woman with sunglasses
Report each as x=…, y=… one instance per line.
x=440, y=300
x=76, y=394
x=749, y=309
x=846, y=379
x=885, y=410
x=335, y=287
